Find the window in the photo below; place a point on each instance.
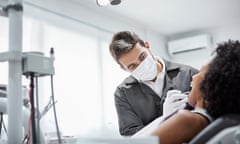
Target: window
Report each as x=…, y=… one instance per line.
x=77, y=82
x=113, y=75
x=84, y=80
x=86, y=75
x=3, y=48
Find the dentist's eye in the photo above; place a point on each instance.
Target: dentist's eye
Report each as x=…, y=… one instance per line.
x=142, y=56
x=132, y=67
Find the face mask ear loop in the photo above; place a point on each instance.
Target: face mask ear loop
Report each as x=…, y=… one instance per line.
x=154, y=58
x=148, y=50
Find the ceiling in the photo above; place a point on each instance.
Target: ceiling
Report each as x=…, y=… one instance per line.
x=176, y=16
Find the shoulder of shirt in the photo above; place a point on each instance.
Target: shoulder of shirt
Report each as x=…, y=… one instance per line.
x=185, y=117
x=130, y=80
x=169, y=65
x=204, y=113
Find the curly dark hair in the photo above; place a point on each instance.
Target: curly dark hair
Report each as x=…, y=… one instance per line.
x=221, y=85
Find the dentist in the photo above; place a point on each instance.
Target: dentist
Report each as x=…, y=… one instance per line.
x=154, y=88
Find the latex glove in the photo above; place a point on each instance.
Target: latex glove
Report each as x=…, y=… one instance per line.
x=175, y=100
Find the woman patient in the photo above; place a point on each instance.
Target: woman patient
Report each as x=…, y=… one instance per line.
x=215, y=92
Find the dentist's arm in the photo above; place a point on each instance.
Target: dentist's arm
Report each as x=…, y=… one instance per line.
x=129, y=122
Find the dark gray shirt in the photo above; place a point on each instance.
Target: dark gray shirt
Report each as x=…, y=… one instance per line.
x=137, y=104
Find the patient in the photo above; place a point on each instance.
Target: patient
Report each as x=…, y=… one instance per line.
x=215, y=92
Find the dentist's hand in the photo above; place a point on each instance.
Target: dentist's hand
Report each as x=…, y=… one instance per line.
x=175, y=100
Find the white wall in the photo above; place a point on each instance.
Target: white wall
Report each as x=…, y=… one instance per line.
x=99, y=18
x=223, y=34
x=198, y=58
x=157, y=44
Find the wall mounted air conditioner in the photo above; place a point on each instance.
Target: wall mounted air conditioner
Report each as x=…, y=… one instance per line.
x=189, y=44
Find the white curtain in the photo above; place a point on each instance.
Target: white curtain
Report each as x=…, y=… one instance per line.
x=85, y=77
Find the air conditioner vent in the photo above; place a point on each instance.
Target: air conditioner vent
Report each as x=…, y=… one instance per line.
x=188, y=44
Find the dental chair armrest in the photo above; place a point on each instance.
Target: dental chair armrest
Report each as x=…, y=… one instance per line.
x=215, y=127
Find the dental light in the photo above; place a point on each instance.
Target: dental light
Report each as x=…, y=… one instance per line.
x=107, y=2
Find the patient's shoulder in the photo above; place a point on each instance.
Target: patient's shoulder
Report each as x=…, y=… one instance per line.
x=186, y=115
x=191, y=119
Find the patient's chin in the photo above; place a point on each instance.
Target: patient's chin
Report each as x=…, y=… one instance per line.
x=191, y=103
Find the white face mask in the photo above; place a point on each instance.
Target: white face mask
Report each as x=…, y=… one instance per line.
x=147, y=70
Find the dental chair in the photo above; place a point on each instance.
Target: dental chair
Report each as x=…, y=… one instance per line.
x=224, y=130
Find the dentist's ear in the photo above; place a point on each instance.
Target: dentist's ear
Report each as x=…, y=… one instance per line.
x=147, y=45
